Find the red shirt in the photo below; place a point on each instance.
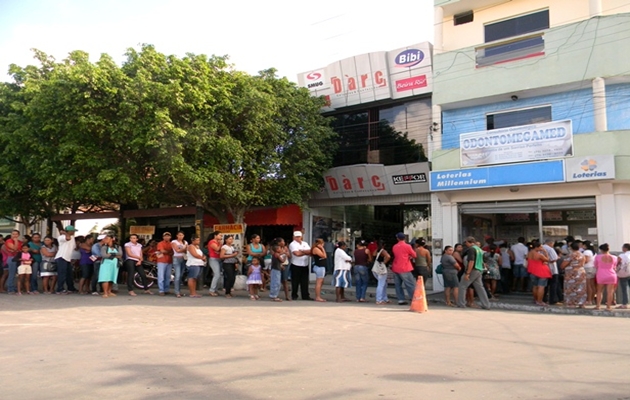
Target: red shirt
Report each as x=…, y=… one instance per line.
x=18, y=248
x=402, y=254
x=211, y=251
x=165, y=248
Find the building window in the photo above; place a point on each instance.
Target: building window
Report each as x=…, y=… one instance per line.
x=513, y=39
x=521, y=117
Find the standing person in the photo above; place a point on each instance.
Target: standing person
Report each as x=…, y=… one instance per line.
x=49, y=277
x=179, y=246
x=255, y=248
x=164, y=255
x=196, y=261
x=35, y=246
x=133, y=264
x=230, y=264
x=254, y=278
x=574, y=278
x=67, y=245
x=606, y=266
x=320, y=260
x=623, y=273
x=458, y=254
x=381, y=255
x=422, y=262
x=473, y=275
x=214, y=248
x=329, y=248
x=108, y=271
x=362, y=258
x=492, y=259
x=300, y=252
x=554, y=289
x=24, y=261
x=96, y=257
x=589, y=268
x=341, y=275
x=277, y=258
x=519, y=271
x=506, y=267
x=12, y=248
x=538, y=269
x=402, y=267
x=449, y=272
x=5, y=264
x=87, y=264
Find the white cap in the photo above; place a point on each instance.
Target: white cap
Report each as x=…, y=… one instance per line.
x=101, y=236
x=297, y=233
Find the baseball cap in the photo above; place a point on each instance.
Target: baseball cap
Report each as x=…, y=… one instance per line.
x=101, y=236
x=297, y=233
x=166, y=234
x=69, y=228
x=400, y=235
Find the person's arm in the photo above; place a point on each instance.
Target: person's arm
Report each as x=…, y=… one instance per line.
x=369, y=256
x=119, y=253
x=346, y=257
x=193, y=252
x=499, y=260
x=175, y=246
x=428, y=256
x=104, y=252
x=214, y=246
x=166, y=249
x=250, y=270
x=47, y=253
x=129, y=253
x=386, y=256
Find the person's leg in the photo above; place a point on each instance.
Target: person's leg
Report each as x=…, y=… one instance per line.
x=94, y=281
x=295, y=281
x=229, y=273
x=318, y=289
x=600, y=289
x=143, y=278
x=27, y=282
x=11, y=281
x=364, y=276
x=610, y=289
x=338, y=294
x=475, y=277
x=19, y=283
x=462, y=291
x=400, y=295
x=623, y=283
x=275, y=283
x=409, y=283
x=425, y=273
x=106, y=289
x=590, y=291
x=62, y=271
x=192, y=286
x=53, y=284
x=130, y=267
x=215, y=265
x=34, y=276
x=455, y=295
x=70, y=278
x=304, y=284
x=178, y=264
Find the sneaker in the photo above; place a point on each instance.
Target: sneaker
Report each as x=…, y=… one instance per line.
x=402, y=303
x=95, y=293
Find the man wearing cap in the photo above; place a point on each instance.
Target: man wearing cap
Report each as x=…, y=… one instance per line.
x=473, y=275
x=67, y=245
x=96, y=256
x=300, y=252
x=402, y=267
x=164, y=255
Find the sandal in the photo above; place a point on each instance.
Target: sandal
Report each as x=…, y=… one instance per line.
x=252, y=297
x=132, y=293
x=195, y=296
x=213, y=294
x=279, y=300
x=179, y=296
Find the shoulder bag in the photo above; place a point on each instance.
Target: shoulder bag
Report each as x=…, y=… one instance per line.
x=379, y=267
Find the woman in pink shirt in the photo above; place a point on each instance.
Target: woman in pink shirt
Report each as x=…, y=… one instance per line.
x=606, y=275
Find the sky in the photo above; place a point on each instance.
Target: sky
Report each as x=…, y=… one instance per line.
x=292, y=36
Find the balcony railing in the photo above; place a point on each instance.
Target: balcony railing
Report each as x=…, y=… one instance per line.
x=525, y=46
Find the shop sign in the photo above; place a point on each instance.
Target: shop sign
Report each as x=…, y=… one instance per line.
x=517, y=144
x=501, y=175
x=236, y=230
x=581, y=215
x=376, y=180
x=142, y=230
x=590, y=168
x=370, y=77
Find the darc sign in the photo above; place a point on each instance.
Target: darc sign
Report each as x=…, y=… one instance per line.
x=370, y=77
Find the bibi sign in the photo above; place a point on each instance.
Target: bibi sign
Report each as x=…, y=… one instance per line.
x=370, y=77
x=376, y=180
x=517, y=144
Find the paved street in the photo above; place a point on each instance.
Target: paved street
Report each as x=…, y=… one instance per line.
x=152, y=347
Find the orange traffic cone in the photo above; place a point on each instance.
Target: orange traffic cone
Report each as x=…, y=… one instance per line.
x=419, y=301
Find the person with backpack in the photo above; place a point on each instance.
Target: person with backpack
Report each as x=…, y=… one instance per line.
x=473, y=274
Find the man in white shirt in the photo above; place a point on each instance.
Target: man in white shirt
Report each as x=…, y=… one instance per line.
x=300, y=260
x=623, y=273
x=519, y=271
x=554, y=289
x=341, y=277
x=67, y=245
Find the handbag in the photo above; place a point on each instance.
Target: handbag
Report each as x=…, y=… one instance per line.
x=240, y=282
x=49, y=266
x=439, y=269
x=379, y=267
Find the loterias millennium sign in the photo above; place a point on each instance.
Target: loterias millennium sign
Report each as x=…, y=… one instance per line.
x=517, y=144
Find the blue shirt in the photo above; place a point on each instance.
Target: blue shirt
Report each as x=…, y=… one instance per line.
x=96, y=250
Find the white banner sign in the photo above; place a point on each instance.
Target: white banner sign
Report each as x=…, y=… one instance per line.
x=590, y=168
x=517, y=144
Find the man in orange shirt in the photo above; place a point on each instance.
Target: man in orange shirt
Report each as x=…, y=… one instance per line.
x=164, y=255
x=12, y=247
x=402, y=267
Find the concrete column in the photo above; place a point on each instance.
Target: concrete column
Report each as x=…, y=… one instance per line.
x=437, y=232
x=438, y=20
x=595, y=7
x=599, y=104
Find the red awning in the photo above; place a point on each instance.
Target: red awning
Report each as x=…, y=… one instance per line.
x=286, y=215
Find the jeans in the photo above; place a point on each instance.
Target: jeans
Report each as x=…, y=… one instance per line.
x=381, y=288
x=178, y=265
x=131, y=267
x=215, y=265
x=275, y=283
x=475, y=279
x=164, y=276
x=64, y=269
x=361, y=279
x=554, y=291
x=406, y=279
x=11, y=283
x=94, y=282
x=229, y=276
x=35, y=275
x=299, y=279
x=506, y=280
x=623, y=282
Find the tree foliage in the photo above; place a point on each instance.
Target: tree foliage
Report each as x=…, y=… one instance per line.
x=157, y=130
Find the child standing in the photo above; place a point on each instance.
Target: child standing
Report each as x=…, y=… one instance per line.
x=254, y=278
x=24, y=270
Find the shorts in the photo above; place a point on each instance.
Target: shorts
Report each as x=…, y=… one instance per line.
x=590, y=272
x=285, y=273
x=194, y=271
x=341, y=279
x=87, y=270
x=25, y=270
x=450, y=278
x=520, y=271
x=320, y=272
x=267, y=263
x=536, y=281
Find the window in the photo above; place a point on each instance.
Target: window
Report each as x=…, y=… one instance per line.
x=518, y=117
x=526, y=42
x=463, y=18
